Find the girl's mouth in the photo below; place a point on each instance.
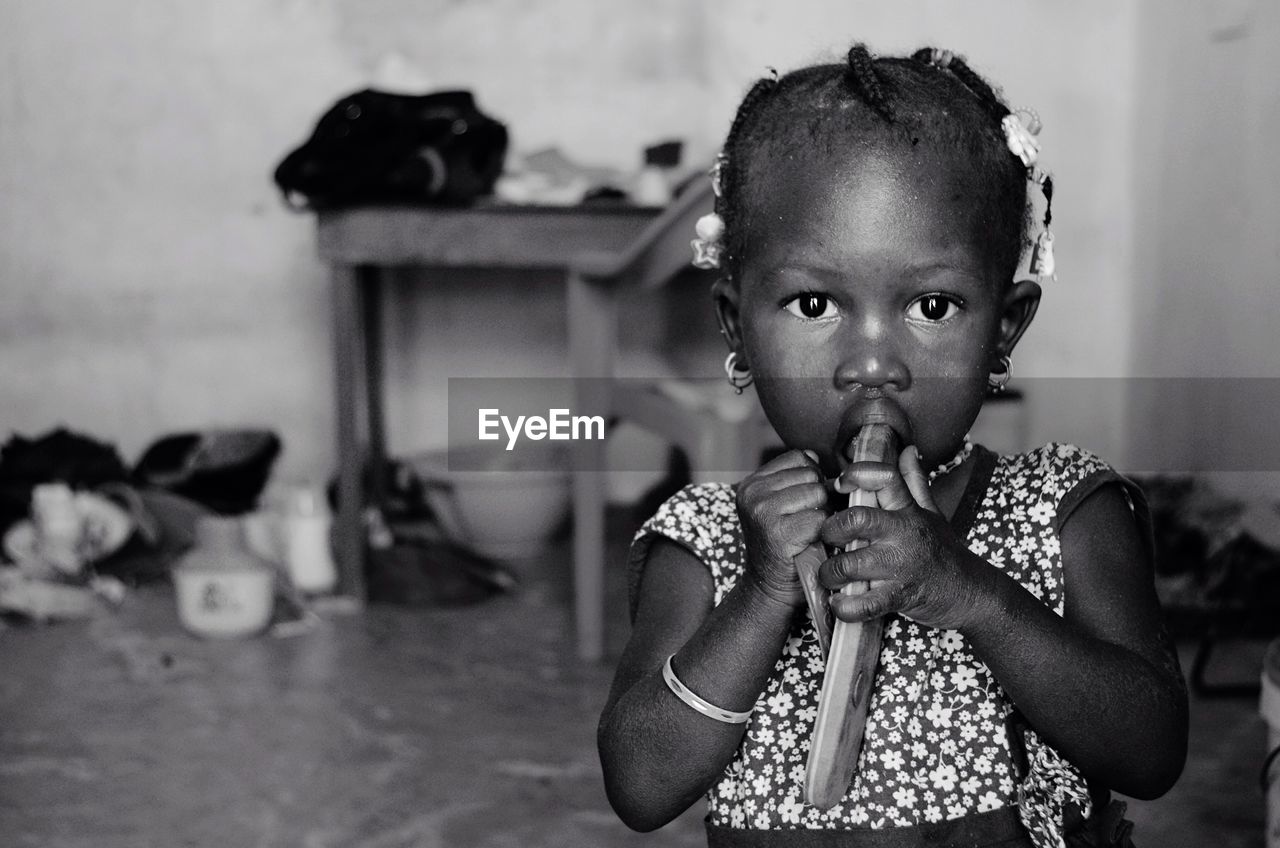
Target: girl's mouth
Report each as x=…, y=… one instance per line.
x=872, y=407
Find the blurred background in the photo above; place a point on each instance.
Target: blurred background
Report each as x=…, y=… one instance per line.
x=151, y=279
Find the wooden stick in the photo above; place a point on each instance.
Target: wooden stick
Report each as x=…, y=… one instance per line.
x=807, y=565
x=851, y=663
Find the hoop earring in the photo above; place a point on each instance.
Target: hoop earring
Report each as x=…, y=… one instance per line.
x=997, y=380
x=739, y=378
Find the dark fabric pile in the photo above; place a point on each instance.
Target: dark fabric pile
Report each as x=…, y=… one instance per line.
x=179, y=478
x=1209, y=567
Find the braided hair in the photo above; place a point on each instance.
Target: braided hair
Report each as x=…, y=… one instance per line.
x=880, y=101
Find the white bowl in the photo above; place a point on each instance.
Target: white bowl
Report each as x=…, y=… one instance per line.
x=509, y=511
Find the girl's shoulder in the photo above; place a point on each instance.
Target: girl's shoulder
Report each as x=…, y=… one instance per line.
x=694, y=512
x=1055, y=460
x=1060, y=476
x=703, y=519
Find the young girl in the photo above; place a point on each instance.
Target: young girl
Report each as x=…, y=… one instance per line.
x=871, y=216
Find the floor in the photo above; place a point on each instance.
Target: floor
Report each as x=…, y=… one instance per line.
x=397, y=727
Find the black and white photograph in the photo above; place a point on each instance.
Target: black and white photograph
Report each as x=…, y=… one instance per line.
x=560, y=424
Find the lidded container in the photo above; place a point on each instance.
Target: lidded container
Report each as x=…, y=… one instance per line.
x=308, y=552
x=223, y=588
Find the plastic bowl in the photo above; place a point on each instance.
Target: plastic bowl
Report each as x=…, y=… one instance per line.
x=510, y=510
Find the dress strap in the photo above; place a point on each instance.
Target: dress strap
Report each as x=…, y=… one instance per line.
x=975, y=490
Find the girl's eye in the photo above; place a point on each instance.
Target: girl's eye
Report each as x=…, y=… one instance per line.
x=933, y=308
x=811, y=306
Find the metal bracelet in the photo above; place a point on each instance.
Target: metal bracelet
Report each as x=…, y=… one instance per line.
x=707, y=708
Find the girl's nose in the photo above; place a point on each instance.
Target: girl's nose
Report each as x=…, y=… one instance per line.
x=872, y=361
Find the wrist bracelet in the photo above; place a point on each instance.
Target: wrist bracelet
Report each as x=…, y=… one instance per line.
x=707, y=708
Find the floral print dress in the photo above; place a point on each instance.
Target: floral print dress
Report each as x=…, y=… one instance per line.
x=937, y=745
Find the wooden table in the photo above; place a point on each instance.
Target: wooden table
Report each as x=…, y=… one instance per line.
x=361, y=245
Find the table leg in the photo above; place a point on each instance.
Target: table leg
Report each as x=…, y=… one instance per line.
x=349, y=349
x=592, y=339
x=372, y=291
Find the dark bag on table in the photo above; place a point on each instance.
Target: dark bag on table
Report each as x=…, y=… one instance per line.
x=379, y=147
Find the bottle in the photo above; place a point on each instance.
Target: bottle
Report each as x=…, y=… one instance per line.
x=224, y=589
x=58, y=526
x=308, y=552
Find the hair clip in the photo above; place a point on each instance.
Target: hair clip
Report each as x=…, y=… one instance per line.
x=717, y=174
x=708, y=246
x=1042, y=264
x=1021, y=126
x=1020, y=130
x=941, y=58
x=1030, y=118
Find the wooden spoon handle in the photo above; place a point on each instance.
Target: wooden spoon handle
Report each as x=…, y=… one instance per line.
x=851, y=663
x=807, y=564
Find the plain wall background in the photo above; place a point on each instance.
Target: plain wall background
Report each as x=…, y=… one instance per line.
x=1208, y=226
x=151, y=279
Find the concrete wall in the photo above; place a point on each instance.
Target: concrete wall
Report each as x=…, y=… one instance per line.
x=1208, y=212
x=150, y=280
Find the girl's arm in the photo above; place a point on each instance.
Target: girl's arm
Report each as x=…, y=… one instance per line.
x=658, y=754
x=1101, y=684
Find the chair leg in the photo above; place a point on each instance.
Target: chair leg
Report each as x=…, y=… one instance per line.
x=592, y=342
x=589, y=501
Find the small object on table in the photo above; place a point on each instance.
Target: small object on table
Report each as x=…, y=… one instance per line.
x=653, y=185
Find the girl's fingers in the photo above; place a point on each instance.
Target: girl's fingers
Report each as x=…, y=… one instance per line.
x=787, y=477
x=880, y=600
x=805, y=497
x=787, y=483
x=802, y=527
x=917, y=481
x=869, y=476
x=848, y=566
x=765, y=505
x=790, y=459
x=880, y=477
x=857, y=522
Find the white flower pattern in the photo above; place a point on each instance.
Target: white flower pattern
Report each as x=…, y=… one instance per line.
x=935, y=744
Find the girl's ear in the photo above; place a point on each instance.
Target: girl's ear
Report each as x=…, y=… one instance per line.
x=1020, y=304
x=726, y=297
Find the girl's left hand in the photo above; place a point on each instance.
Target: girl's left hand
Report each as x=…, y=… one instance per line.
x=917, y=565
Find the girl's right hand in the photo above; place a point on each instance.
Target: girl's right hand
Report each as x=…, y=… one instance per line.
x=781, y=506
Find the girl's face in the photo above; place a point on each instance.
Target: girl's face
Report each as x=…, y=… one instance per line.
x=862, y=291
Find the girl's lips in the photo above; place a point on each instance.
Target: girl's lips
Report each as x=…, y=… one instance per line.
x=877, y=409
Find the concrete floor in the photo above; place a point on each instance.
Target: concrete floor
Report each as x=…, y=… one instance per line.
x=395, y=727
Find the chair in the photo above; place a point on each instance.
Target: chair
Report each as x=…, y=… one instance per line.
x=718, y=433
